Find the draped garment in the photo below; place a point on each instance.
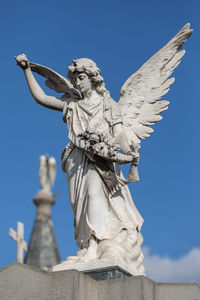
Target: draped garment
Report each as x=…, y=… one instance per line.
x=113, y=220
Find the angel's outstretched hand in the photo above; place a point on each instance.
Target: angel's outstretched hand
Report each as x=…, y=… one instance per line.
x=22, y=61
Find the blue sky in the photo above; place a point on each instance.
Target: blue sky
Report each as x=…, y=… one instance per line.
x=119, y=36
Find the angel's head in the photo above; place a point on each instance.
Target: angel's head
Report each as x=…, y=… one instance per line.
x=85, y=75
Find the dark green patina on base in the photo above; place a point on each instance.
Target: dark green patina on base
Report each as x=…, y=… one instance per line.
x=108, y=273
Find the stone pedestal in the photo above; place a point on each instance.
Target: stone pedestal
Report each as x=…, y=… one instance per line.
x=22, y=282
x=109, y=273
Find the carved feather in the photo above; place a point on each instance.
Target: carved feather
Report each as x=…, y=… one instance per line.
x=140, y=93
x=43, y=172
x=56, y=81
x=52, y=170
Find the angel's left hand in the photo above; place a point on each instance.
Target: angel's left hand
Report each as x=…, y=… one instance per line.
x=136, y=157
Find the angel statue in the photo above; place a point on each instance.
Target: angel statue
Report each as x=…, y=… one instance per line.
x=102, y=135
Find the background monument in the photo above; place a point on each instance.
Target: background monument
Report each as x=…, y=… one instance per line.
x=42, y=249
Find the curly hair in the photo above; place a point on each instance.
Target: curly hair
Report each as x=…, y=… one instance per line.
x=89, y=67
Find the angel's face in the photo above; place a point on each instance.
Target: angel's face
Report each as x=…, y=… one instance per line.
x=83, y=82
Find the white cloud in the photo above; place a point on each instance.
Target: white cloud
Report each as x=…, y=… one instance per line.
x=165, y=269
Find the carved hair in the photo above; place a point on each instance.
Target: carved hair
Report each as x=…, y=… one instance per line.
x=89, y=67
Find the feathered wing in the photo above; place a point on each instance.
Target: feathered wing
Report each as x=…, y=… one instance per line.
x=43, y=172
x=47, y=172
x=52, y=170
x=55, y=81
x=140, y=94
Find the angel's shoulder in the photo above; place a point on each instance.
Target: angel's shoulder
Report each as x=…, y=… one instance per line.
x=112, y=111
x=109, y=103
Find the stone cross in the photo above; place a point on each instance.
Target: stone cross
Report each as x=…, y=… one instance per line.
x=19, y=238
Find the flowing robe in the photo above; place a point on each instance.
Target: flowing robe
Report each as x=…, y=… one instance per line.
x=113, y=220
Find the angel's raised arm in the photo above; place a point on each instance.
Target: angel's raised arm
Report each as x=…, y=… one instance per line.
x=36, y=91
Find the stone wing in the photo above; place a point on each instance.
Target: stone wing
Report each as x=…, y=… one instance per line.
x=140, y=94
x=55, y=81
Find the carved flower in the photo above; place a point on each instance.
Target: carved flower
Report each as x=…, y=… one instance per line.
x=87, y=145
x=102, y=145
x=94, y=137
x=96, y=148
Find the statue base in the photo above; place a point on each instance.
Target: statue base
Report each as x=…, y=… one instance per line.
x=114, y=272
x=94, y=265
x=22, y=282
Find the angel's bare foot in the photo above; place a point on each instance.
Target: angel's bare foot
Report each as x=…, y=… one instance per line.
x=85, y=254
x=91, y=252
x=78, y=256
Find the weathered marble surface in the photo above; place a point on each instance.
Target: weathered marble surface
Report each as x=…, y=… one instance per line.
x=104, y=134
x=21, y=282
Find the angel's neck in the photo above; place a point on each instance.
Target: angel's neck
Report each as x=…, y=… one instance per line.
x=90, y=94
